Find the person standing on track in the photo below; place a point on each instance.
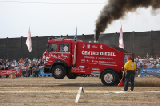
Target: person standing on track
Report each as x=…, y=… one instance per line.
x=129, y=70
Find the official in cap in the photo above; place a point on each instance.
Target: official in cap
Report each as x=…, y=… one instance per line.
x=129, y=70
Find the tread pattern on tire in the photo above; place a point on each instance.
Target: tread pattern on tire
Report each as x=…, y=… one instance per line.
x=115, y=77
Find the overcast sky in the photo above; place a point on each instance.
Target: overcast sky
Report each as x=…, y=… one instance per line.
x=60, y=17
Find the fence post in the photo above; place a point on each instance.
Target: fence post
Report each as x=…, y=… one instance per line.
x=133, y=42
x=82, y=37
x=151, y=44
x=36, y=47
x=21, y=46
x=7, y=48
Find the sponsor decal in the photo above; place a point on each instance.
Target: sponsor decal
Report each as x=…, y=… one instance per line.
x=65, y=48
x=98, y=53
x=105, y=58
x=89, y=57
x=148, y=71
x=88, y=46
x=94, y=46
x=95, y=69
x=83, y=45
x=82, y=71
x=94, y=61
x=82, y=59
x=95, y=72
x=8, y=72
x=81, y=66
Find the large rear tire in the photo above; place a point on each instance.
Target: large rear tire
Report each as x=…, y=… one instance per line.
x=58, y=72
x=109, y=77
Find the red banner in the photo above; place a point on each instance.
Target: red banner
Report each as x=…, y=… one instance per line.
x=8, y=72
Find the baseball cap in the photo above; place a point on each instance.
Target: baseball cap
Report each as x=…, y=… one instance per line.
x=129, y=58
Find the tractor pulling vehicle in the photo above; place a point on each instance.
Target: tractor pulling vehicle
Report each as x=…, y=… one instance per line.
x=74, y=58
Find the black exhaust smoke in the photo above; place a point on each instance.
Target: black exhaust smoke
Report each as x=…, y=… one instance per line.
x=116, y=9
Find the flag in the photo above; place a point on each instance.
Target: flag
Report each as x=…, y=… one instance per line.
x=75, y=37
x=29, y=41
x=121, y=44
x=74, y=59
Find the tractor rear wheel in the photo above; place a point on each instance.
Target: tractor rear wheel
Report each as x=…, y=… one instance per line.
x=109, y=77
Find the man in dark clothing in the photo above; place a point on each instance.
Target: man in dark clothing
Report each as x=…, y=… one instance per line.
x=37, y=71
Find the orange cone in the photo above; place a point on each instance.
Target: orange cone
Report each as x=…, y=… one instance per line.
x=120, y=83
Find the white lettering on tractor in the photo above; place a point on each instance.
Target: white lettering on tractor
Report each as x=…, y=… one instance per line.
x=101, y=53
x=101, y=47
x=98, y=53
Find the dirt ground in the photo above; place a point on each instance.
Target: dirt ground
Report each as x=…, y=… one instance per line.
x=47, y=91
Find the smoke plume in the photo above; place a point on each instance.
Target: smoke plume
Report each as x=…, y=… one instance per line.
x=116, y=9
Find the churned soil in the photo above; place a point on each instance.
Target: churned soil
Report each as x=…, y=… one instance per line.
x=47, y=91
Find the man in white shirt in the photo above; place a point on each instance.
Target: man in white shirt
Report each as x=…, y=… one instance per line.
x=149, y=65
x=158, y=65
x=16, y=68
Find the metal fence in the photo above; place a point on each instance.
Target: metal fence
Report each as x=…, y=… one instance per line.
x=139, y=43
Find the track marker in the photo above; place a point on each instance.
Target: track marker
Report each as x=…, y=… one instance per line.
x=81, y=90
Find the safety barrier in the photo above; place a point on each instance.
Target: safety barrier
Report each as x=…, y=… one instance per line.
x=150, y=71
x=8, y=72
x=42, y=72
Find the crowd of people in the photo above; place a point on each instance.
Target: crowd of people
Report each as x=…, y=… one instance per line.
x=147, y=62
x=29, y=67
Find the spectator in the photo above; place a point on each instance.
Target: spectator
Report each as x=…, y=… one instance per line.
x=33, y=70
x=21, y=60
x=37, y=71
x=24, y=70
x=13, y=65
x=6, y=68
x=140, y=60
x=154, y=66
x=144, y=65
x=147, y=57
x=158, y=65
x=27, y=70
x=40, y=67
x=157, y=59
x=149, y=65
x=10, y=65
x=40, y=60
x=2, y=66
x=30, y=69
x=17, y=68
x=151, y=59
x=0, y=62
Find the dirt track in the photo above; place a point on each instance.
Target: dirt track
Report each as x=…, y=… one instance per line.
x=47, y=91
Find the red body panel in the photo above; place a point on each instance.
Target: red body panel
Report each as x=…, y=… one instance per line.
x=96, y=57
